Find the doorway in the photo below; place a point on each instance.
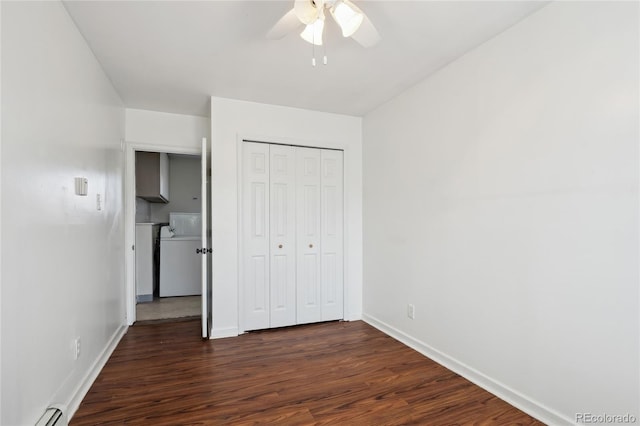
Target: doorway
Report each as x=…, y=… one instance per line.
x=173, y=215
x=168, y=222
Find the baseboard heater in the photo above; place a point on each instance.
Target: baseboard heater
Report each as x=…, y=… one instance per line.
x=53, y=417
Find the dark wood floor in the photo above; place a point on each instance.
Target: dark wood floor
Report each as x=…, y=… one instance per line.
x=344, y=373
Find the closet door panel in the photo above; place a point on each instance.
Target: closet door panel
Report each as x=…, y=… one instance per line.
x=282, y=235
x=308, y=273
x=255, y=232
x=332, y=235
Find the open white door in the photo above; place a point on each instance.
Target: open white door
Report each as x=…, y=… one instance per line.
x=206, y=247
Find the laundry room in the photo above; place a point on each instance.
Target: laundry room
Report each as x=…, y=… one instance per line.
x=168, y=227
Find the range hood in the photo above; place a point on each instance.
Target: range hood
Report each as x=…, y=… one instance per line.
x=152, y=176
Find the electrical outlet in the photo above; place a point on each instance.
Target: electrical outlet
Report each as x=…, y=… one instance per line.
x=76, y=348
x=411, y=311
x=98, y=202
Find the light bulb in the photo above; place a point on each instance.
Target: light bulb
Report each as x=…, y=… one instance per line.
x=313, y=32
x=348, y=16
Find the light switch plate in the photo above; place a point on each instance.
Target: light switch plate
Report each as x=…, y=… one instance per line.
x=82, y=186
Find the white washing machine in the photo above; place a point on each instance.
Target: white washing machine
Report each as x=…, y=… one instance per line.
x=180, y=265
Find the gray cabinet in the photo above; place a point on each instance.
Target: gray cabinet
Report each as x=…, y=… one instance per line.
x=152, y=176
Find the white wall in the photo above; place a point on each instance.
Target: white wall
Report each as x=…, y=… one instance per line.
x=63, y=277
x=184, y=188
x=143, y=211
x=1, y=133
x=501, y=198
x=232, y=120
x=163, y=128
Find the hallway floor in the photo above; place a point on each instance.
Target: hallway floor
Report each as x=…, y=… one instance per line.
x=169, y=307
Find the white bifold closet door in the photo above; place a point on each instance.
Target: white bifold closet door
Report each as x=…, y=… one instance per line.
x=255, y=236
x=308, y=277
x=292, y=222
x=331, y=235
x=283, y=236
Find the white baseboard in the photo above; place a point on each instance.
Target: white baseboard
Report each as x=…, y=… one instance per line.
x=221, y=333
x=85, y=384
x=522, y=402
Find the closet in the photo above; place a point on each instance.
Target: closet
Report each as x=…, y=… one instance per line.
x=292, y=235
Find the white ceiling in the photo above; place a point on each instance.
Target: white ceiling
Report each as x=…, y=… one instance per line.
x=173, y=55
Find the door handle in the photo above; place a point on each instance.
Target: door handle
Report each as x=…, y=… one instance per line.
x=310, y=245
x=279, y=245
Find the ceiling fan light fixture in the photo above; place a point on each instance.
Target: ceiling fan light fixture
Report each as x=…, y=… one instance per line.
x=313, y=32
x=306, y=11
x=348, y=16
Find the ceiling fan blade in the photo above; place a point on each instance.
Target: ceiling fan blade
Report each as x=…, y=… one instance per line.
x=287, y=24
x=367, y=35
x=306, y=11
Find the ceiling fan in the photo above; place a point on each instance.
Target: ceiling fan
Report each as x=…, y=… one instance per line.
x=311, y=13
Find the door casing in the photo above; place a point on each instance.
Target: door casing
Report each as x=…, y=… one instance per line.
x=130, y=215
